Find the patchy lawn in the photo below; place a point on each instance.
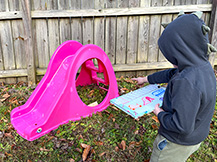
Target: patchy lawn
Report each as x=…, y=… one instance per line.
x=110, y=135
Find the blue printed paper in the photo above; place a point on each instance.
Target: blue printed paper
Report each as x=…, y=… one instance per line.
x=141, y=101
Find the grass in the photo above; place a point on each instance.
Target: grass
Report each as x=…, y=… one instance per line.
x=112, y=135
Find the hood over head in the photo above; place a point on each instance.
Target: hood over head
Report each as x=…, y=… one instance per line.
x=183, y=42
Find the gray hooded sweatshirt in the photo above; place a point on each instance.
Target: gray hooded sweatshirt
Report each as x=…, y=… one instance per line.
x=189, y=99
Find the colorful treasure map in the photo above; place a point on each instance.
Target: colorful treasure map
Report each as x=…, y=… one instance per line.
x=141, y=101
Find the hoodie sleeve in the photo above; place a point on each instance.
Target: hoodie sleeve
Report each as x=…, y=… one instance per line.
x=161, y=76
x=185, y=103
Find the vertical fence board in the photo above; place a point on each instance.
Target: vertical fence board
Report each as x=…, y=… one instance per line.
x=110, y=3
x=18, y=36
x=52, y=5
x=87, y=4
x=213, y=32
x=121, y=39
x=65, y=30
x=2, y=9
x=53, y=36
x=110, y=39
x=53, y=28
x=1, y=63
x=154, y=33
x=99, y=32
x=153, y=37
x=76, y=29
x=65, y=26
x=143, y=40
x=156, y=3
x=76, y=24
x=167, y=3
x=75, y=4
x=7, y=42
x=63, y=4
x=42, y=43
x=99, y=27
x=203, y=1
x=41, y=36
x=27, y=23
x=145, y=3
x=132, y=37
x=99, y=4
x=87, y=29
x=110, y=33
x=18, y=39
x=14, y=5
x=87, y=23
x=179, y=2
x=7, y=48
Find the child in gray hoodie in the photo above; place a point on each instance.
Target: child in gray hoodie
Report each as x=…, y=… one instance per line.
x=190, y=96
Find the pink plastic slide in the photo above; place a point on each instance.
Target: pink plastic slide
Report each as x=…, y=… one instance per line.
x=55, y=100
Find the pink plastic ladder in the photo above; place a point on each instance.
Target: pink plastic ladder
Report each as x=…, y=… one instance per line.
x=55, y=100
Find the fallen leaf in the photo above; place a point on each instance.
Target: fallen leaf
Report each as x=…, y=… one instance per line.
x=58, y=131
x=110, y=116
x=71, y=160
x=107, y=112
x=125, y=89
x=155, y=119
x=5, y=120
x=86, y=151
x=84, y=145
x=5, y=89
x=12, y=146
x=99, y=143
x=123, y=143
x=138, y=143
x=44, y=149
x=93, y=151
x=120, y=146
x=102, y=154
x=5, y=97
x=116, y=149
x=154, y=126
x=80, y=137
x=114, y=108
x=136, y=132
x=90, y=94
x=8, y=135
x=7, y=154
x=99, y=113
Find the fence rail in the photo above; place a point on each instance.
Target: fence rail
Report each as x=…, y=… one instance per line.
x=127, y=31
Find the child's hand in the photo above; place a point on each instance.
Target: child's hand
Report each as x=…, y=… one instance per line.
x=157, y=109
x=140, y=80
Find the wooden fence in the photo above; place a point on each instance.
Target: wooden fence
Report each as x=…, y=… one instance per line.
x=128, y=30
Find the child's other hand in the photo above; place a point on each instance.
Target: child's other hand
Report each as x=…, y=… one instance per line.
x=140, y=80
x=157, y=109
